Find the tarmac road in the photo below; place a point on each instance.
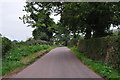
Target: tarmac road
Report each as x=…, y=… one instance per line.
x=58, y=63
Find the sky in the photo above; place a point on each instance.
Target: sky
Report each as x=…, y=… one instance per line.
x=10, y=24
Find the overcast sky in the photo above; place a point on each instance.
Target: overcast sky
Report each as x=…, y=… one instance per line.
x=10, y=24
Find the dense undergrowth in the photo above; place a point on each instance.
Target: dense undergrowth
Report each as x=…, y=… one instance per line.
x=100, y=67
x=11, y=61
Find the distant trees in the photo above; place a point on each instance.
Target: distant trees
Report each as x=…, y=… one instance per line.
x=15, y=41
x=0, y=35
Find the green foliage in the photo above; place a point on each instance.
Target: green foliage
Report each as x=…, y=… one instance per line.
x=61, y=35
x=32, y=42
x=6, y=45
x=38, y=42
x=80, y=19
x=119, y=32
x=18, y=53
x=9, y=66
x=41, y=36
x=106, y=49
x=11, y=60
x=83, y=18
x=100, y=67
x=39, y=18
x=0, y=35
x=73, y=42
x=61, y=39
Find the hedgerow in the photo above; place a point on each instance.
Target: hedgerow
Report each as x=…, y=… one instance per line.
x=105, y=49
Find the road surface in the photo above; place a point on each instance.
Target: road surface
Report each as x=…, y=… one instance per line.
x=58, y=63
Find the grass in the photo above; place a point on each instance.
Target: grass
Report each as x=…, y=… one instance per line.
x=99, y=67
x=31, y=58
x=20, y=57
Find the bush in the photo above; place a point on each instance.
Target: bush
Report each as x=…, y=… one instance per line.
x=73, y=42
x=6, y=45
x=37, y=42
x=105, y=49
x=16, y=54
x=11, y=60
x=32, y=43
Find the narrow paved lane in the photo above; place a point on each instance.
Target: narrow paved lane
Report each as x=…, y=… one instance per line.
x=58, y=63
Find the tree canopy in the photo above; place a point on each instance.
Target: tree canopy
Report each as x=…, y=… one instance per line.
x=89, y=18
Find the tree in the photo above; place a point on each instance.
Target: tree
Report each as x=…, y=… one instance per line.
x=15, y=41
x=39, y=18
x=90, y=17
x=62, y=35
x=76, y=18
x=6, y=45
x=0, y=35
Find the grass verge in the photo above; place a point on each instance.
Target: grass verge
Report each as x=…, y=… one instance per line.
x=99, y=67
x=31, y=58
x=18, y=58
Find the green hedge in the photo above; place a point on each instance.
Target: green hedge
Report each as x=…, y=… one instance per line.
x=32, y=43
x=105, y=49
x=6, y=45
x=38, y=42
x=73, y=42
